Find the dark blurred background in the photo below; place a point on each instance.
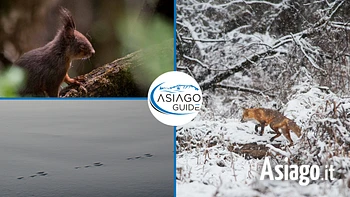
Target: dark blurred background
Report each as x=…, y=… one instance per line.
x=26, y=25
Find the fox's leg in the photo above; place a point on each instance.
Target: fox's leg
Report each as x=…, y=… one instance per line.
x=275, y=128
x=263, y=124
x=261, y=132
x=286, y=133
x=257, y=128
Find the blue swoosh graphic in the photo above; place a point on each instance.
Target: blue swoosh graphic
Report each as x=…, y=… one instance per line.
x=154, y=104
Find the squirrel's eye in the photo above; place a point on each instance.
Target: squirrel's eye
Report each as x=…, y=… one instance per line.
x=81, y=47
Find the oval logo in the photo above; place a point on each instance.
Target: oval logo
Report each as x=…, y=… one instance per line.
x=174, y=98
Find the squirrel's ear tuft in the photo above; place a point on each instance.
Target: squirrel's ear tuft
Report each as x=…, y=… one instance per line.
x=68, y=22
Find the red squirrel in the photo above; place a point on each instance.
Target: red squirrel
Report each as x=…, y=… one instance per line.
x=47, y=67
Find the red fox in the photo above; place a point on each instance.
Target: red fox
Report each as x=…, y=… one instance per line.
x=275, y=119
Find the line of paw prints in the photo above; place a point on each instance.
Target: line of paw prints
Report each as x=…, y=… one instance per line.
x=43, y=173
x=96, y=164
x=140, y=157
x=39, y=173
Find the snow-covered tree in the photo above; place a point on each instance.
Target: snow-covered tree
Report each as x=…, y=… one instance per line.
x=292, y=56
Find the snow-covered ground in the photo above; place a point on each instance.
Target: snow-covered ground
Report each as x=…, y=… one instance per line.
x=205, y=166
x=83, y=148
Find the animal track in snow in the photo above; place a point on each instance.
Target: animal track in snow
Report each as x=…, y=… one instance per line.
x=96, y=164
x=140, y=157
x=39, y=173
x=43, y=173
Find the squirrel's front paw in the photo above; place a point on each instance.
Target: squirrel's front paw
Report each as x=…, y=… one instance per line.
x=71, y=81
x=80, y=79
x=76, y=82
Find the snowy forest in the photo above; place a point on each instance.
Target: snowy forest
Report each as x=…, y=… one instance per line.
x=290, y=56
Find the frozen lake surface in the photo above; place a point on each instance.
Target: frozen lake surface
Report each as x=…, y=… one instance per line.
x=83, y=148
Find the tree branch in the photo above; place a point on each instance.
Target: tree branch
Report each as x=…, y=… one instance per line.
x=207, y=84
x=130, y=76
x=243, y=89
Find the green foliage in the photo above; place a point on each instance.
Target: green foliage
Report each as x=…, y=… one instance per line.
x=139, y=34
x=146, y=35
x=10, y=81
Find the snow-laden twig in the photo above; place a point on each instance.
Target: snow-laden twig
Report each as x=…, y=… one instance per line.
x=204, y=40
x=311, y=60
x=277, y=150
x=340, y=25
x=335, y=9
x=185, y=68
x=243, y=89
x=239, y=67
x=275, y=5
x=194, y=36
x=202, y=64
